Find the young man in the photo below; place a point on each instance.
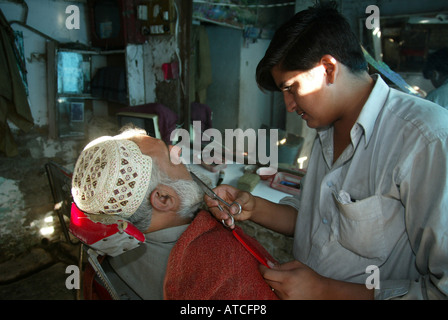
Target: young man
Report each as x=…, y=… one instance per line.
x=134, y=177
x=375, y=193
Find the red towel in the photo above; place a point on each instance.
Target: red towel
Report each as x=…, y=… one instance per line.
x=208, y=263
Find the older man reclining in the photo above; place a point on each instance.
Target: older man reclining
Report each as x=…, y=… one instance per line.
x=187, y=253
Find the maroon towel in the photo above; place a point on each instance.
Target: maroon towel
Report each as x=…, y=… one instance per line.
x=208, y=263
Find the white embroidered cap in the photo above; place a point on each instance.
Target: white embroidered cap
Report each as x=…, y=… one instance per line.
x=111, y=176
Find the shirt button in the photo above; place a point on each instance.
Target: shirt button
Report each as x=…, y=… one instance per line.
x=324, y=221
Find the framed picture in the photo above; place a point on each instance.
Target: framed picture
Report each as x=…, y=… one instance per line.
x=77, y=112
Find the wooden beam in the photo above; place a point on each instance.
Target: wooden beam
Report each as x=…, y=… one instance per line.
x=186, y=18
x=53, y=132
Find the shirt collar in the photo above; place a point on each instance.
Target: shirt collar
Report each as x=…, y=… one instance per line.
x=365, y=122
x=166, y=235
x=372, y=107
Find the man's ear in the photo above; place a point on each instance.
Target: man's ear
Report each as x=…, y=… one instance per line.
x=164, y=198
x=331, y=68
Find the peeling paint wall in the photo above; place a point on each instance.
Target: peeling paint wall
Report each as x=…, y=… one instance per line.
x=144, y=70
x=41, y=147
x=11, y=206
x=157, y=51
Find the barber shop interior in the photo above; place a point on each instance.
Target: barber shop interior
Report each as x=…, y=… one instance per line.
x=194, y=150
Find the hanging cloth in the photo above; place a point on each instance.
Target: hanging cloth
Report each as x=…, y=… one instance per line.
x=14, y=104
x=201, y=68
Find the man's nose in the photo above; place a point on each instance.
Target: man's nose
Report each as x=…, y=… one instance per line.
x=290, y=104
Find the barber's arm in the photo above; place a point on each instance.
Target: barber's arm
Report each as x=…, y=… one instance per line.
x=425, y=197
x=278, y=217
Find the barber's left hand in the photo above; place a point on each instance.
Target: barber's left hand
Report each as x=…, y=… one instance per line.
x=231, y=194
x=294, y=280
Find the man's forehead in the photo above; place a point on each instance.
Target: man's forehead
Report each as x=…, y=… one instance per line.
x=282, y=77
x=151, y=145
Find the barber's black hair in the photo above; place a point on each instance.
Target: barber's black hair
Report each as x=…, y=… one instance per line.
x=436, y=61
x=300, y=43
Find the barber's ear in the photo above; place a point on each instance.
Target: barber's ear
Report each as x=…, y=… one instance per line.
x=435, y=75
x=331, y=68
x=164, y=198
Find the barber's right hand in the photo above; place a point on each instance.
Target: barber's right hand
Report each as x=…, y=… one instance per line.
x=231, y=194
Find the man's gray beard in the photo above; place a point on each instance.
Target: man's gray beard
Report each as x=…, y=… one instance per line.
x=201, y=176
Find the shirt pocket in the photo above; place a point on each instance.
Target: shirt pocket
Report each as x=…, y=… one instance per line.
x=361, y=227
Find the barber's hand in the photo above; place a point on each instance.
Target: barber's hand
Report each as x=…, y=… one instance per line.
x=294, y=280
x=231, y=194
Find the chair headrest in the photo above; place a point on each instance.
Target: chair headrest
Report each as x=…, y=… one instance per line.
x=108, y=238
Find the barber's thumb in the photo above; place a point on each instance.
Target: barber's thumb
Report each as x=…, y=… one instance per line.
x=234, y=208
x=243, y=198
x=291, y=265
